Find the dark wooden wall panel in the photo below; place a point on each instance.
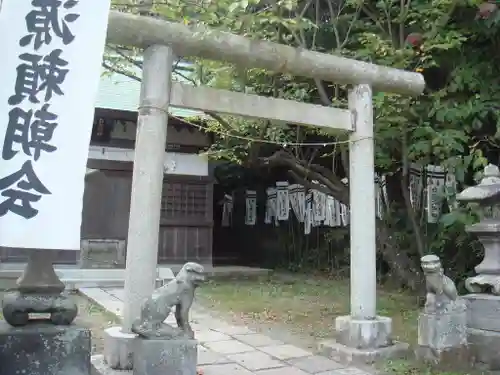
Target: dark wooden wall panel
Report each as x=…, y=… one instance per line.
x=185, y=231
x=182, y=244
x=106, y=205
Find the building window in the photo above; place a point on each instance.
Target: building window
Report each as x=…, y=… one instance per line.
x=184, y=200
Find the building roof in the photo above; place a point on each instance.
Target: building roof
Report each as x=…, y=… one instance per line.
x=119, y=92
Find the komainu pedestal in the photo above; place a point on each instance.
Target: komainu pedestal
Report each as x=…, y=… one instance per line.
x=165, y=357
x=442, y=336
x=442, y=326
x=44, y=349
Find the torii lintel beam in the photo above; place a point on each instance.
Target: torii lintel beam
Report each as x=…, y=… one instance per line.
x=139, y=31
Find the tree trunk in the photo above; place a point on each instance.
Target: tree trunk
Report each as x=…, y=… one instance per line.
x=401, y=263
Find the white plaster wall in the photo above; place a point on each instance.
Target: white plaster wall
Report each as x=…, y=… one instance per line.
x=175, y=163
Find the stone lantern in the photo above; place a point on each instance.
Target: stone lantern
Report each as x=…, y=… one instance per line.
x=483, y=304
x=487, y=195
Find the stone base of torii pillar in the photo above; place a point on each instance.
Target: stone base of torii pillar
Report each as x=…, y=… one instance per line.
x=363, y=341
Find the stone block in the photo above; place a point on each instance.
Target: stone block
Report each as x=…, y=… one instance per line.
x=229, y=347
x=44, y=349
x=442, y=337
x=226, y=369
x=255, y=361
x=102, y=253
x=443, y=330
x=211, y=336
x=209, y=357
x=485, y=348
x=363, y=334
x=285, y=351
x=119, y=348
x=288, y=370
x=315, y=364
x=99, y=367
x=161, y=357
x=347, y=371
x=483, y=311
x=257, y=340
x=347, y=355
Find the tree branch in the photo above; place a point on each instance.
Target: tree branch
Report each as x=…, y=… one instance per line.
x=332, y=187
x=120, y=71
x=406, y=194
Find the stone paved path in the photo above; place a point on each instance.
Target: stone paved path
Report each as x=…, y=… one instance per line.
x=227, y=349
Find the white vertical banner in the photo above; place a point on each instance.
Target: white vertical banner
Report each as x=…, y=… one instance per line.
x=308, y=218
x=251, y=207
x=283, y=203
x=436, y=177
x=301, y=203
x=48, y=84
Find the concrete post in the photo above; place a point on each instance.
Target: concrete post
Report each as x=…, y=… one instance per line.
x=362, y=204
x=147, y=181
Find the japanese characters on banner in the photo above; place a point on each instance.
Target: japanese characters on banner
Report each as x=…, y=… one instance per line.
x=308, y=214
x=416, y=180
x=251, y=207
x=271, y=211
x=433, y=185
x=312, y=207
x=50, y=74
x=282, y=198
x=436, y=177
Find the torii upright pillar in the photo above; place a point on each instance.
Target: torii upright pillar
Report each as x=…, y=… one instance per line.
x=147, y=184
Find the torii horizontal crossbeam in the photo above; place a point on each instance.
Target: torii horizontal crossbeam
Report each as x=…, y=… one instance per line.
x=235, y=103
x=139, y=31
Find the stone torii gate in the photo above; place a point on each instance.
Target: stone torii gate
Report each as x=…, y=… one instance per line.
x=361, y=333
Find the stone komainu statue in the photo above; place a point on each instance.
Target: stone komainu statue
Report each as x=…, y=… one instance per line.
x=177, y=294
x=441, y=290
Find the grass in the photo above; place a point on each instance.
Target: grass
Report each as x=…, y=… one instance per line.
x=413, y=368
x=305, y=305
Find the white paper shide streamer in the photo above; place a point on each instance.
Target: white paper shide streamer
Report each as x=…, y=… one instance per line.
x=283, y=205
x=251, y=207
